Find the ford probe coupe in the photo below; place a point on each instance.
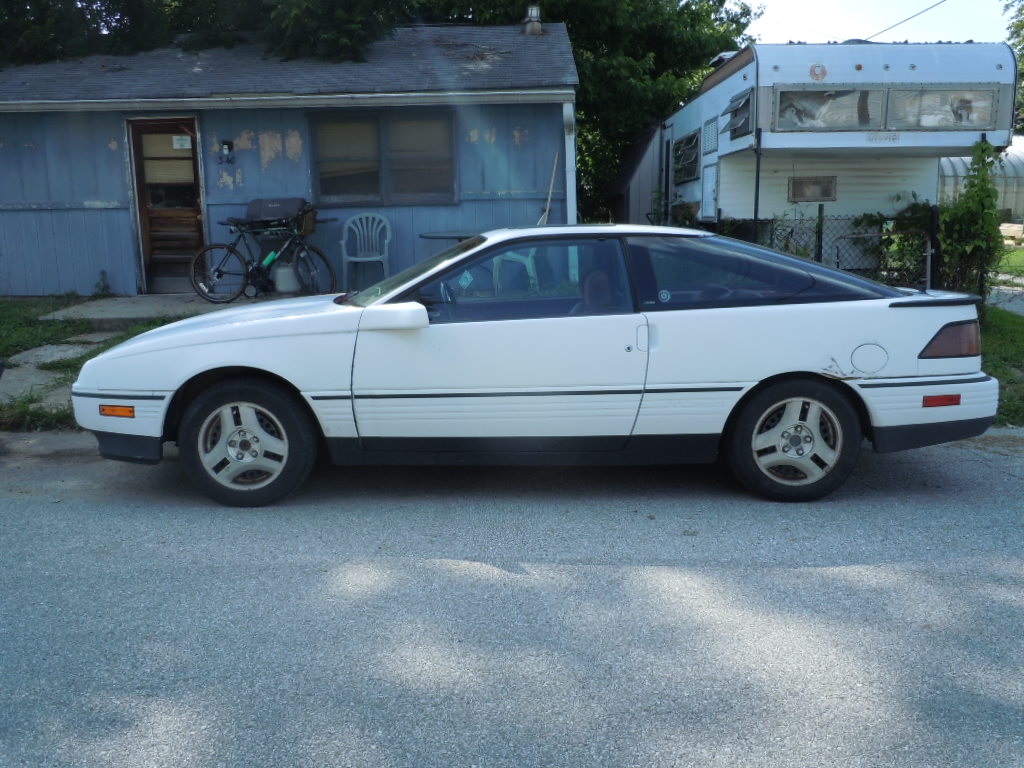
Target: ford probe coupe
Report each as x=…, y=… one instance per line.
x=612, y=344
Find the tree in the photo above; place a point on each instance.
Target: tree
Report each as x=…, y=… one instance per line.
x=1015, y=37
x=34, y=31
x=972, y=245
x=214, y=23
x=330, y=29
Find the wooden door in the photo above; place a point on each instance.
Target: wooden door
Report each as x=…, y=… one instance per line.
x=169, y=199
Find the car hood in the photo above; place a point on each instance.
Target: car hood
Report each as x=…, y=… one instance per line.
x=278, y=319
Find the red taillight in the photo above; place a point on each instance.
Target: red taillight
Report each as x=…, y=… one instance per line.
x=939, y=401
x=954, y=340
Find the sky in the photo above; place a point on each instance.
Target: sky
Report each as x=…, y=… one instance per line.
x=825, y=21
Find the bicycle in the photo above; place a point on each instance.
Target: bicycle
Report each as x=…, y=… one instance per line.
x=220, y=272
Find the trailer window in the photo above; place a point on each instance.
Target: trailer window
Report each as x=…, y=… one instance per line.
x=686, y=154
x=738, y=112
x=833, y=110
x=942, y=109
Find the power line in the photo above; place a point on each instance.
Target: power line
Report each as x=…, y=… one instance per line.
x=906, y=19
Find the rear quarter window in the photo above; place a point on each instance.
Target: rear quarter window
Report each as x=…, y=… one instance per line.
x=701, y=272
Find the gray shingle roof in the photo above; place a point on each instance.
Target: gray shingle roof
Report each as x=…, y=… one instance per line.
x=426, y=59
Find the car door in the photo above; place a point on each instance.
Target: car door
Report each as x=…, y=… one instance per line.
x=533, y=345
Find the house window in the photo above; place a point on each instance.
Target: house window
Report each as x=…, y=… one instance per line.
x=941, y=109
x=386, y=158
x=738, y=112
x=834, y=110
x=812, y=189
x=686, y=154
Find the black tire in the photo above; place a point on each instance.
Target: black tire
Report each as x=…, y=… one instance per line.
x=796, y=440
x=247, y=443
x=313, y=271
x=219, y=273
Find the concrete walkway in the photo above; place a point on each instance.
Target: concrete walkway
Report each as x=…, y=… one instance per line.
x=122, y=312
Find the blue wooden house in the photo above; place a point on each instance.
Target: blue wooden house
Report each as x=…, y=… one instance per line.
x=114, y=170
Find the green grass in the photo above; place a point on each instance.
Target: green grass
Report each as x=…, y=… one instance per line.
x=23, y=330
x=1002, y=346
x=24, y=414
x=1013, y=262
x=19, y=318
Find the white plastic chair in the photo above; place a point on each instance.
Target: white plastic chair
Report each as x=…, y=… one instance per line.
x=364, y=240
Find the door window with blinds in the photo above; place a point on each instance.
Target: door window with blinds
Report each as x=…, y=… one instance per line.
x=386, y=158
x=168, y=170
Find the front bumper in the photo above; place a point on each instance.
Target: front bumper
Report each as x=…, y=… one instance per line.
x=138, y=438
x=137, y=449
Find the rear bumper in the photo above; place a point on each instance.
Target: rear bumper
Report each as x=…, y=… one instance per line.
x=889, y=439
x=900, y=418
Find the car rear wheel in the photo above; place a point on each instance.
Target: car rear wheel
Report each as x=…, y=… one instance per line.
x=796, y=440
x=247, y=443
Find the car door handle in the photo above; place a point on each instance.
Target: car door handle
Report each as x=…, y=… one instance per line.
x=641, y=338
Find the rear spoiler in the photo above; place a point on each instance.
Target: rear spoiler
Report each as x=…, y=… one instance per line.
x=958, y=300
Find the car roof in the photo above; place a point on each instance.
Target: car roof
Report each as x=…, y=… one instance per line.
x=622, y=230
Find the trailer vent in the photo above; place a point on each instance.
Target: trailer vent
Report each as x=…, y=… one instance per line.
x=709, y=137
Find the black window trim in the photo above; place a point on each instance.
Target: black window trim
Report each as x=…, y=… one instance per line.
x=690, y=143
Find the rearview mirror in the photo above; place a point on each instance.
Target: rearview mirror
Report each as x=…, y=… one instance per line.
x=404, y=316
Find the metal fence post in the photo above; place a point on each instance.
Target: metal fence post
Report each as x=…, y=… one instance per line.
x=935, y=259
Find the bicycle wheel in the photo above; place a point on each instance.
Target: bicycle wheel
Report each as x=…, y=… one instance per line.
x=313, y=271
x=219, y=273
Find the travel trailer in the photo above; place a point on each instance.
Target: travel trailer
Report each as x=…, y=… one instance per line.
x=799, y=131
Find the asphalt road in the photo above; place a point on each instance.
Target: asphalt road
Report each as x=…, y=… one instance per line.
x=512, y=617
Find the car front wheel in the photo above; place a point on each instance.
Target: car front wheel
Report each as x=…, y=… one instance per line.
x=247, y=443
x=795, y=440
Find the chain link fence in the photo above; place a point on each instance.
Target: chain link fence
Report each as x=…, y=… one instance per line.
x=893, y=257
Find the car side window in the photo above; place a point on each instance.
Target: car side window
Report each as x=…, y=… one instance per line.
x=704, y=272
x=532, y=279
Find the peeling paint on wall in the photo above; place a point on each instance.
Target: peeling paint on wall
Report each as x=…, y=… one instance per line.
x=245, y=140
x=225, y=180
x=490, y=135
x=113, y=144
x=293, y=146
x=271, y=146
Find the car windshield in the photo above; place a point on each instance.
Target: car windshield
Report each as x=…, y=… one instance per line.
x=374, y=293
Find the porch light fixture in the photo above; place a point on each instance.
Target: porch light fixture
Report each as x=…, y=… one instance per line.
x=227, y=152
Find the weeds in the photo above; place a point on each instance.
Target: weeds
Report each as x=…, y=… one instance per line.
x=25, y=414
x=1003, y=357
x=23, y=329
x=19, y=318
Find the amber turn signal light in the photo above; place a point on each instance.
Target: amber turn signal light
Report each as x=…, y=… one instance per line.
x=120, y=411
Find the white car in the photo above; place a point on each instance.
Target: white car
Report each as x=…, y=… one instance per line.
x=561, y=345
